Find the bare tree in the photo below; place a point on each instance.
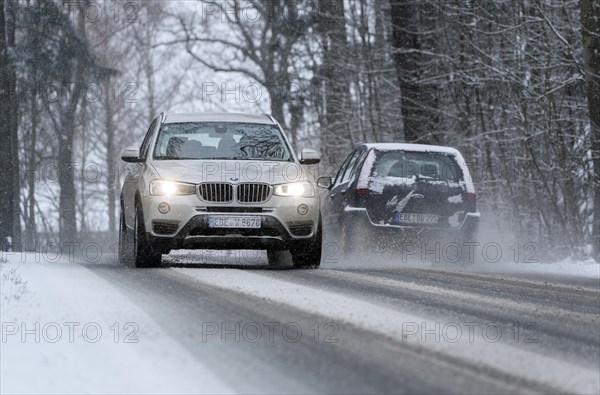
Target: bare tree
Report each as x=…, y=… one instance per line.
x=261, y=47
x=590, y=20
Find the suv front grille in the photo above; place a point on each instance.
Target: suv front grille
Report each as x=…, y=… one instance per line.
x=253, y=193
x=216, y=192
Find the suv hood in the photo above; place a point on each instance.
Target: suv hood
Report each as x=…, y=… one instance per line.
x=232, y=171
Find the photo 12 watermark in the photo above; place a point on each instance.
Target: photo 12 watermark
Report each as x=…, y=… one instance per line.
x=269, y=332
x=454, y=332
x=69, y=332
x=431, y=251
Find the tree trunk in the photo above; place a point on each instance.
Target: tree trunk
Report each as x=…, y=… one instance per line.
x=30, y=225
x=590, y=21
x=418, y=100
x=66, y=180
x=82, y=179
x=110, y=157
x=336, y=134
x=277, y=99
x=9, y=154
x=66, y=170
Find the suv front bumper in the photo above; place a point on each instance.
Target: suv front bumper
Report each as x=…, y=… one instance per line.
x=186, y=225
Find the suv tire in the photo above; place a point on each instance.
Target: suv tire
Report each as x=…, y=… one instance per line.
x=125, y=241
x=309, y=258
x=143, y=253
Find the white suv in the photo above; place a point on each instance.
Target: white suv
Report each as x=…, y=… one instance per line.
x=219, y=181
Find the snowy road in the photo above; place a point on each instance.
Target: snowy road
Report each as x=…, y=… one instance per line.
x=215, y=328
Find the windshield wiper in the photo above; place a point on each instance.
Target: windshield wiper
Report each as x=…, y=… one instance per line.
x=227, y=158
x=217, y=158
x=176, y=158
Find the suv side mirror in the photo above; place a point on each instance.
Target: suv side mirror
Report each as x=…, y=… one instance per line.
x=309, y=157
x=131, y=155
x=324, y=182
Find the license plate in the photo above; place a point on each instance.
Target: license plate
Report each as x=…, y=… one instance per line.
x=417, y=218
x=226, y=221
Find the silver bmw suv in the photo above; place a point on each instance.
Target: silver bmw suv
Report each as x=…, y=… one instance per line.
x=219, y=181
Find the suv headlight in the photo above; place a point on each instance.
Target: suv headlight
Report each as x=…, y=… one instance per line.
x=296, y=189
x=171, y=188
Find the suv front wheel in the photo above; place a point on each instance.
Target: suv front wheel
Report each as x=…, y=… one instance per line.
x=304, y=255
x=134, y=246
x=125, y=241
x=309, y=257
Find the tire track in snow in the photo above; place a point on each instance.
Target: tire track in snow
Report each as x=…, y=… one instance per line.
x=513, y=281
x=504, y=302
x=498, y=359
x=575, y=340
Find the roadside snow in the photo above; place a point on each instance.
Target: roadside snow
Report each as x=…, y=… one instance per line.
x=73, y=344
x=13, y=286
x=567, y=267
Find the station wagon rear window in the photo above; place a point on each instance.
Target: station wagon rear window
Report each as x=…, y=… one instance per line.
x=432, y=166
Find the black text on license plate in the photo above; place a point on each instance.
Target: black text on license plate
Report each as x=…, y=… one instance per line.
x=417, y=218
x=222, y=221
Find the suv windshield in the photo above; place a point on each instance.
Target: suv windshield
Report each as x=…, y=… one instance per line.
x=432, y=166
x=213, y=140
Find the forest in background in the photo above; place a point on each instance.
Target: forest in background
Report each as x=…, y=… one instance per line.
x=509, y=83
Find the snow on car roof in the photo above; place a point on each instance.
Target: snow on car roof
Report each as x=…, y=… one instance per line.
x=412, y=147
x=218, y=117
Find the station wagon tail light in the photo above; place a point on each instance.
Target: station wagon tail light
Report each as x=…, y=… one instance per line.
x=362, y=191
x=362, y=186
x=171, y=188
x=471, y=200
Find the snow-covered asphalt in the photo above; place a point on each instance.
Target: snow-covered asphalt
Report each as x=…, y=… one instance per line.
x=190, y=328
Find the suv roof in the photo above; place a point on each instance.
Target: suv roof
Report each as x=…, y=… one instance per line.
x=219, y=117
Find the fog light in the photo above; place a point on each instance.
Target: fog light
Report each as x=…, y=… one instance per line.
x=164, y=208
x=303, y=209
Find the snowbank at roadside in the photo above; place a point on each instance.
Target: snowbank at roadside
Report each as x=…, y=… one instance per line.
x=67, y=330
x=567, y=267
x=483, y=261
